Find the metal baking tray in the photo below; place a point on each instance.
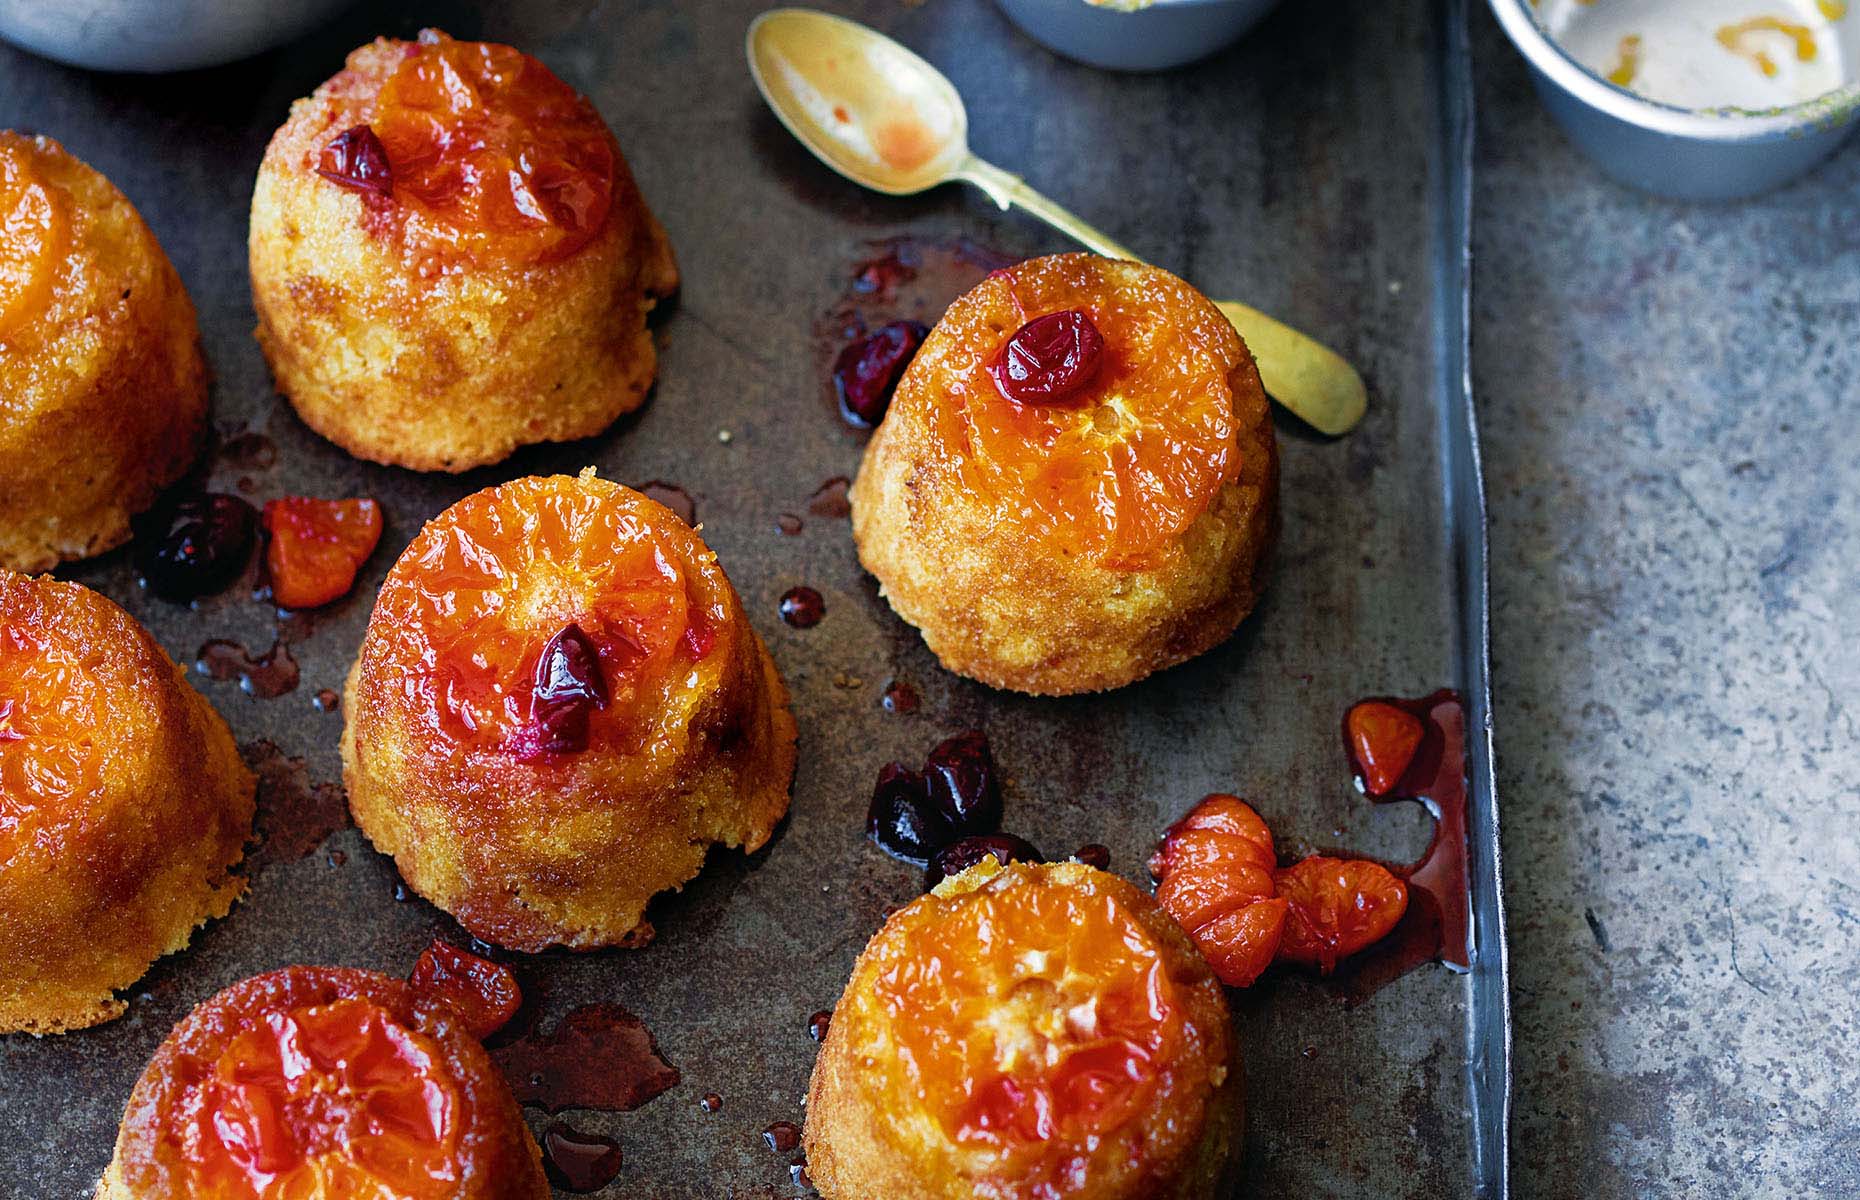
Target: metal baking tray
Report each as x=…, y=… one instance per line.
x=1319, y=170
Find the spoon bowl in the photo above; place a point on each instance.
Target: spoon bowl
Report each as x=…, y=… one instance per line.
x=866, y=106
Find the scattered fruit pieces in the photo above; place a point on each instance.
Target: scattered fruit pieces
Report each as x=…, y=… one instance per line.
x=867, y=371
x=964, y=853
x=1213, y=869
x=947, y=816
x=194, y=544
x=1339, y=906
x=1383, y=740
x=483, y=992
x=317, y=546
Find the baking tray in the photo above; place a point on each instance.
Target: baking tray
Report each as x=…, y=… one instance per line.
x=1319, y=170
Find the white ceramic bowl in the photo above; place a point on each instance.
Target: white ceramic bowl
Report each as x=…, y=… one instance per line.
x=157, y=35
x=1166, y=33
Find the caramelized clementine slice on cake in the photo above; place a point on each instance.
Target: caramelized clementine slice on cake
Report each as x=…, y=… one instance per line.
x=322, y=1083
x=1099, y=416
x=1047, y=1023
x=34, y=228
x=496, y=155
x=544, y=618
x=49, y=706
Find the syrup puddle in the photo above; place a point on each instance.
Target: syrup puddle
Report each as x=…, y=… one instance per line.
x=295, y=816
x=266, y=676
x=598, y=1056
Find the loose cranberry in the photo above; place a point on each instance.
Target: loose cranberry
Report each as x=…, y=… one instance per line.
x=1093, y=855
x=194, y=545
x=866, y=372
x=569, y=687
x=802, y=607
x=959, y=856
x=902, y=819
x=355, y=158
x=961, y=775
x=1049, y=359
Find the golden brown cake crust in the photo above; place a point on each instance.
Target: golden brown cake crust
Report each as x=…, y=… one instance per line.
x=565, y=850
x=496, y=1158
x=103, y=393
x=874, y=1127
x=997, y=597
x=123, y=805
x=401, y=358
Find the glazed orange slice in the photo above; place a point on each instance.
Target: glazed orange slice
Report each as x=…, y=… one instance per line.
x=473, y=617
x=1214, y=873
x=324, y=1102
x=50, y=704
x=499, y=157
x=1121, y=465
x=34, y=228
x=1035, y=1020
x=1339, y=907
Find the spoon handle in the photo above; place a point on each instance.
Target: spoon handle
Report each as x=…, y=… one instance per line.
x=1301, y=373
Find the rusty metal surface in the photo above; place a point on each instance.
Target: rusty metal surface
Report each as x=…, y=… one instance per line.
x=1310, y=170
x=1667, y=392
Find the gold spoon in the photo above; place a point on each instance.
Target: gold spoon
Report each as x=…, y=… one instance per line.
x=883, y=117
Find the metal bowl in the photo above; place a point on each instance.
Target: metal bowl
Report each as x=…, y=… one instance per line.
x=1164, y=34
x=1687, y=153
x=157, y=35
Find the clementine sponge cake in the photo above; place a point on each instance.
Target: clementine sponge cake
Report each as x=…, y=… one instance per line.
x=450, y=258
x=1076, y=483
x=322, y=1083
x=1028, y=1030
x=123, y=806
x=558, y=708
x=103, y=394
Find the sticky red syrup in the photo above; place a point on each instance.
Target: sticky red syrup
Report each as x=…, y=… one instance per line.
x=579, y=1162
x=266, y=676
x=295, y=816
x=1437, y=925
x=829, y=499
x=598, y=1056
x=783, y=1137
x=680, y=501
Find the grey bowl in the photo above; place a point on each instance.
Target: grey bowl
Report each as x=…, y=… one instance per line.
x=1692, y=154
x=157, y=35
x=1167, y=33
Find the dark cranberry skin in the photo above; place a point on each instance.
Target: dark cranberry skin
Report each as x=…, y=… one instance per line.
x=902, y=819
x=194, y=545
x=356, y=159
x=963, y=785
x=959, y=856
x=867, y=372
x=569, y=687
x=1050, y=359
x=1093, y=855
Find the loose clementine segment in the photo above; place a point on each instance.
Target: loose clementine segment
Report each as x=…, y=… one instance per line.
x=468, y=613
x=485, y=993
x=500, y=158
x=1122, y=465
x=34, y=229
x=1214, y=873
x=317, y=546
x=1338, y=908
x=1383, y=739
x=1027, y=1051
x=325, y=1101
x=1241, y=943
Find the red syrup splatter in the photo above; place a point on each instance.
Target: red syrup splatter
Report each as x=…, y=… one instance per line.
x=829, y=499
x=1437, y=924
x=265, y=676
x=901, y=278
x=783, y=1137
x=295, y=816
x=598, y=1056
x=673, y=497
x=579, y=1162
x=900, y=698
